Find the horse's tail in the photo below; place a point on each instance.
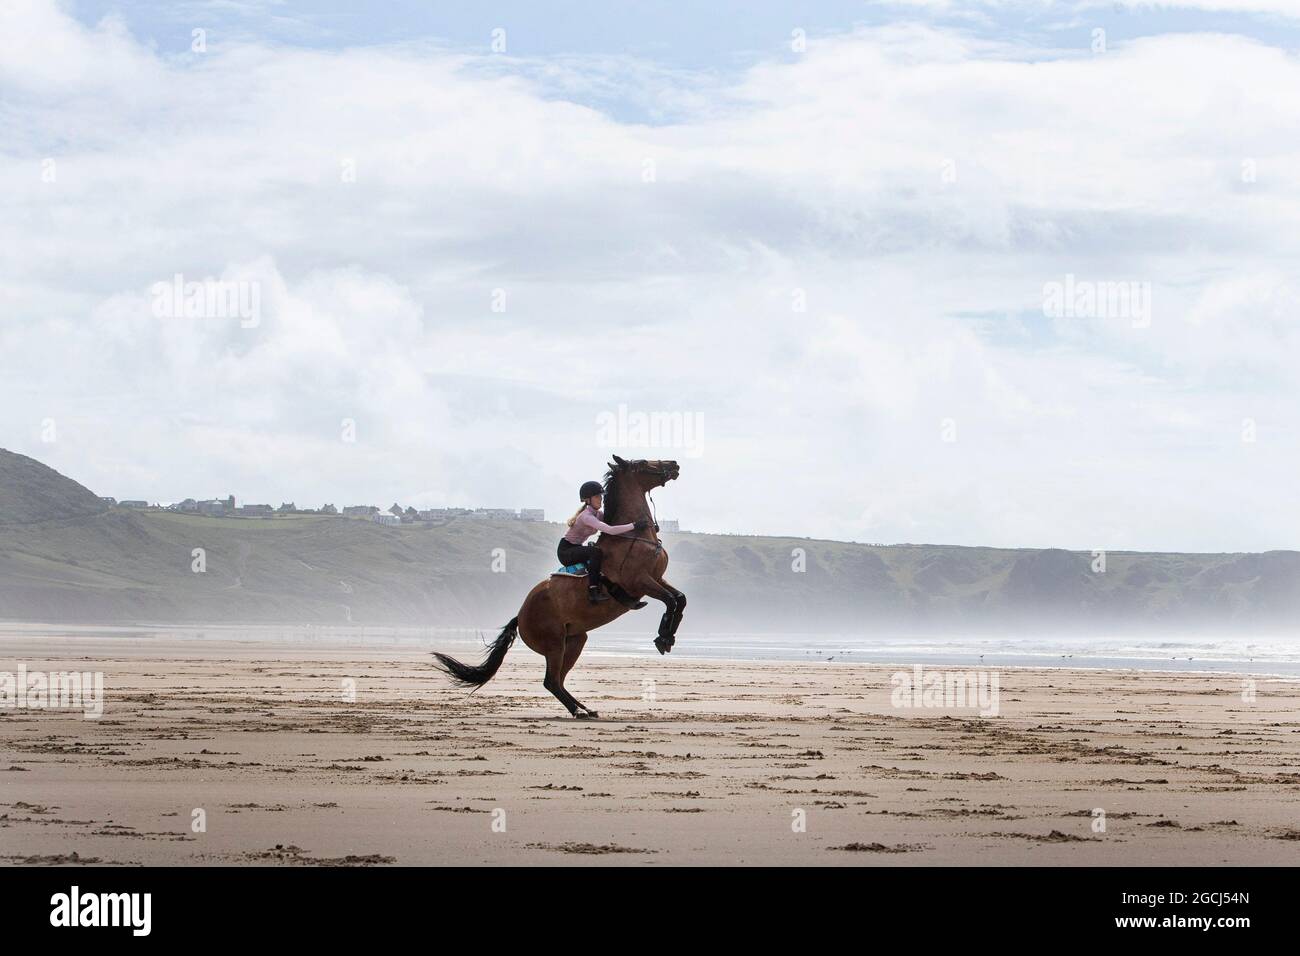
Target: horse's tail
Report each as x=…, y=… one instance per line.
x=476, y=675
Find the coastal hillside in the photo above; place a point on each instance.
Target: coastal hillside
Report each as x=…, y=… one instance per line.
x=31, y=492
x=67, y=557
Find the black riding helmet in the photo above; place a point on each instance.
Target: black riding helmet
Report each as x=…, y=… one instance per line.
x=590, y=488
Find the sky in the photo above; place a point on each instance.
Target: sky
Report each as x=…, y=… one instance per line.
x=1018, y=274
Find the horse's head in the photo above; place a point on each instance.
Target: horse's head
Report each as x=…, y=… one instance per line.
x=643, y=475
x=628, y=480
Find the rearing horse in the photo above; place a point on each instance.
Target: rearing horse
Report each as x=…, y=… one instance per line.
x=556, y=615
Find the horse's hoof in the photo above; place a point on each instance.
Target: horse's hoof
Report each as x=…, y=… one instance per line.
x=583, y=715
x=663, y=644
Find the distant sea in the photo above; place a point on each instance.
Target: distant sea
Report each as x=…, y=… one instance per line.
x=1233, y=654
x=1237, y=656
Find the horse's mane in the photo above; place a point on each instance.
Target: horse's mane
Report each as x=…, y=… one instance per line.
x=613, y=500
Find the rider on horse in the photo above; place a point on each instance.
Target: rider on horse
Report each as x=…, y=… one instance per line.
x=586, y=521
x=554, y=619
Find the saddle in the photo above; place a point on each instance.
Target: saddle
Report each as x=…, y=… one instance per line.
x=615, y=591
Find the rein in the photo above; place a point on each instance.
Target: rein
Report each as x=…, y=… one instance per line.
x=659, y=545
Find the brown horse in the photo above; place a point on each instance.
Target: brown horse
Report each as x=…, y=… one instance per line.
x=556, y=615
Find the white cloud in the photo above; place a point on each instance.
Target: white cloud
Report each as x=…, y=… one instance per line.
x=1285, y=8
x=824, y=174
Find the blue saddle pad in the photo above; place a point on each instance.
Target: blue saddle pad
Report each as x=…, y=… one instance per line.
x=572, y=570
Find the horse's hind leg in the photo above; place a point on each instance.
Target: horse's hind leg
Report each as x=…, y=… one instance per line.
x=555, y=683
x=557, y=653
x=573, y=646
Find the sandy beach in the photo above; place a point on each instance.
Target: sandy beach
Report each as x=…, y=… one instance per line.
x=313, y=756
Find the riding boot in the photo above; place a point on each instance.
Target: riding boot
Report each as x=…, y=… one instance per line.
x=595, y=595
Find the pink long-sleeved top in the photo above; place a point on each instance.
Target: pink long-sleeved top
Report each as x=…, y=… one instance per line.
x=588, y=522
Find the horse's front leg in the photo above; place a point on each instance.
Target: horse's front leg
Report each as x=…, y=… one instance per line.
x=680, y=600
x=652, y=588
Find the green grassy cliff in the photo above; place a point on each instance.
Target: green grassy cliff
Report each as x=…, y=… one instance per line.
x=66, y=557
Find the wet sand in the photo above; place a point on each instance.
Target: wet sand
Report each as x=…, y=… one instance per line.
x=312, y=756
